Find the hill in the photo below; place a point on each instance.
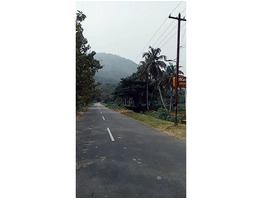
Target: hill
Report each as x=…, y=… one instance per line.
x=114, y=68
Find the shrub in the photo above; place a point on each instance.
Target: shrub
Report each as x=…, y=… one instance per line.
x=163, y=113
x=113, y=106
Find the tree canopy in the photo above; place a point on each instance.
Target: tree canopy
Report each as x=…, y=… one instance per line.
x=86, y=67
x=151, y=87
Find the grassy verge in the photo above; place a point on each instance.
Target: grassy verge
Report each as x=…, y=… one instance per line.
x=163, y=126
x=82, y=111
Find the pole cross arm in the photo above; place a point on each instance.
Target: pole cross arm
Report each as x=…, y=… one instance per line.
x=171, y=60
x=178, y=18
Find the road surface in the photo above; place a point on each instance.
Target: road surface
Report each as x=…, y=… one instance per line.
x=118, y=157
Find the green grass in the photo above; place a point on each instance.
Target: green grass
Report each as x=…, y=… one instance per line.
x=163, y=126
x=166, y=115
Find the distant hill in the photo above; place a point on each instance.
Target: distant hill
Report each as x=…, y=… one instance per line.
x=114, y=68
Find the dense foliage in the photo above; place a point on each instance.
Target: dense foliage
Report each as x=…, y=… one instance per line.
x=151, y=87
x=86, y=67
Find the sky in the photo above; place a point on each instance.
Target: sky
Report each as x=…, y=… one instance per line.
x=128, y=29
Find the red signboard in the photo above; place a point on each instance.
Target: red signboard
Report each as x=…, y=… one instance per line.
x=181, y=82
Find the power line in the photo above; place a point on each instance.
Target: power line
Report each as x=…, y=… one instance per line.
x=157, y=31
x=171, y=37
x=183, y=11
x=183, y=35
x=176, y=7
x=167, y=35
x=163, y=33
x=151, y=38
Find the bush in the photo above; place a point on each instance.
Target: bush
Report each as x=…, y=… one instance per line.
x=113, y=106
x=181, y=107
x=155, y=115
x=163, y=114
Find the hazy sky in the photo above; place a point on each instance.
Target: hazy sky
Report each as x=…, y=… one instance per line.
x=125, y=28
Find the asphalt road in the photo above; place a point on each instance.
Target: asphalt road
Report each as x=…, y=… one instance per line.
x=119, y=157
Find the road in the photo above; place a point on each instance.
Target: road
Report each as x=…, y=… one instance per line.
x=118, y=157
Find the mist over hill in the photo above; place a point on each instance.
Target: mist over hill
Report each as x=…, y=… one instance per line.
x=114, y=68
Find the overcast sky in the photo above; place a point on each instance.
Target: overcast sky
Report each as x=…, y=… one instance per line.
x=125, y=28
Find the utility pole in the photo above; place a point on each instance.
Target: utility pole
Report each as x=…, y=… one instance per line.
x=177, y=61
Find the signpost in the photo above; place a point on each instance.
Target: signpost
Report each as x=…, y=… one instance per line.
x=181, y=82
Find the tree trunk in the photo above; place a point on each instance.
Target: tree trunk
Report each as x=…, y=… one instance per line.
x=147, y=95
x=171, y=97
x=161, y=96
x=170, y=103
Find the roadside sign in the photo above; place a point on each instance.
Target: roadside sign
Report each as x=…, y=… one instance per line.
x=181, y=82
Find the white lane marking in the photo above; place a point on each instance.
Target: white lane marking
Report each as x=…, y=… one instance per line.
x=103, y=118
x=110, y=134
x=101, y=113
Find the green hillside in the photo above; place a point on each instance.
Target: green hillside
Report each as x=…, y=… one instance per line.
x=114, y=68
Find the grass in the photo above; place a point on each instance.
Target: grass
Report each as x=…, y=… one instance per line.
x=83, y=165
x=82, y=111
x=163, y=126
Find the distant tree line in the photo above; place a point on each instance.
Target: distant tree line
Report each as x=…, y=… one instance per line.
x=86, y=67
x=151, y=87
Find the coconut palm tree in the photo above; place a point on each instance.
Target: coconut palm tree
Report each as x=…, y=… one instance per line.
x=144, y=76
x=154, y=67
x=167, y=79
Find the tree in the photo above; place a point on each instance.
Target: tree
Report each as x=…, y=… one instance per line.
x=131, y=88
x=167, y=80
x=154, y=66
x=143, y=76
x=86, y=67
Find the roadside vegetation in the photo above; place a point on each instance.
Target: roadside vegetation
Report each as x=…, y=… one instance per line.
x=150, y=89
x=86, y=67
x=164, y=126
x=81, y=111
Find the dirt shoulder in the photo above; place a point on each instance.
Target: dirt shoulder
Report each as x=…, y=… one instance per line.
x=82, y=111
x=79, y=114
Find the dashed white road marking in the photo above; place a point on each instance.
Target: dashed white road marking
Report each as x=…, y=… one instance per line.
x=110, y=134
x=103, y=118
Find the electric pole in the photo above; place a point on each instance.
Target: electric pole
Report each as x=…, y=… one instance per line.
x=177, y=61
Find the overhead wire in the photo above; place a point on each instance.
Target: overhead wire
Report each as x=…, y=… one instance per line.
x=171, y=37
x=163, y=33
x=151, y=38
x=157, y=32
x=183, y=11
x=167, y=35
x=183, y=36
